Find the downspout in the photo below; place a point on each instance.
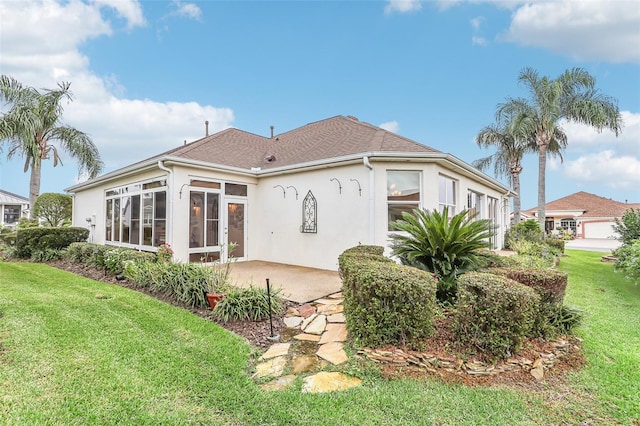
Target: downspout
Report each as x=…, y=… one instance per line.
x=161, y=166
x=372, y=201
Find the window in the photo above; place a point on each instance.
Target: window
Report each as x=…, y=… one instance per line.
x=492, y=207
x=474, y=205
x=204, y=220
x=11, y=214
x=235, y=189
x=403, y=193
x=447, y=194
x=137, y=214
x=568, y=223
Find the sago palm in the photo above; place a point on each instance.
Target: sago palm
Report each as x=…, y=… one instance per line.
x=31, y=128
x=572, y=97
x=430, y=241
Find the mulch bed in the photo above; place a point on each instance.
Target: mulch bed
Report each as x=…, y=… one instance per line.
x=257, y=332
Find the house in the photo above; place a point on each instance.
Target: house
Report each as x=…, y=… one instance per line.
x=12, y=208
x=585, y=215
x=300, y=197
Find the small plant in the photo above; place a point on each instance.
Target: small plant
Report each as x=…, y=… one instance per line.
x=628, y=228
x=566, y=319
x=46, y=255
x=529, y=230
x=430, y=241
x=250, y=303
x=165, y=253
x=628, y=261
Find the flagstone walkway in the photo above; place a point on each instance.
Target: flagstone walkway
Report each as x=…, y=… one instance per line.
x=314, y=338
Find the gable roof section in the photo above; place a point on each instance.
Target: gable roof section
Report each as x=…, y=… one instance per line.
x=592, y=205
x=7, y=197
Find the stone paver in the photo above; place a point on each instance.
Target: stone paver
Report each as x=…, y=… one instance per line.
x=279, y=349
x=328, y=382
x=307, y=337
x=334, y=333
x=336, y=318
x=273, y=367
x=333, y=352
x=293, y=322
x=317, y=326
x=321, y=324
x=280, y=383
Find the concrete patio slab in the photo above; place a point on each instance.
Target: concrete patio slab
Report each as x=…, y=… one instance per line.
x=298, y=284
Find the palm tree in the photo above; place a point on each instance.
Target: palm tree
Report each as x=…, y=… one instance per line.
x=512, y=143
x=32, y=124
x=571, y=97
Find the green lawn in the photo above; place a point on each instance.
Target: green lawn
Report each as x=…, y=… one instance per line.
x=76, y=351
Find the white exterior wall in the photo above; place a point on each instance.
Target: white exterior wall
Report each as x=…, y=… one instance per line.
x=356, y=213
x=342, y=217
x=90, y=204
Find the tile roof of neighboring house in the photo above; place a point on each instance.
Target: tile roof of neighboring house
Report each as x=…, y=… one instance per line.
x=330, y=138
x=7, y=197
x=592, y=205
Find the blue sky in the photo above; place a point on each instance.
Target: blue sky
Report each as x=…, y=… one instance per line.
x=147, y=74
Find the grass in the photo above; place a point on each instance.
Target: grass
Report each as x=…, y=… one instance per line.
x=77, y=351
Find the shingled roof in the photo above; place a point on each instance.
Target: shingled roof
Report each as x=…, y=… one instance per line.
x=330, y=138
x=592, y=205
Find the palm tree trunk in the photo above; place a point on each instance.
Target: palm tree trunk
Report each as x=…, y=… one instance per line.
x=34, y=185
x=516, y=200
x=542, y=169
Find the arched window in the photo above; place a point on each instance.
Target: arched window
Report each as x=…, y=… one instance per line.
x=309, y=214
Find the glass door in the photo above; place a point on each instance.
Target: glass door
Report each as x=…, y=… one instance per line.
x=236, y=229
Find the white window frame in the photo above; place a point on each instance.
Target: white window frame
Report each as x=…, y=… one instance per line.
x=393, y=191
x=449, y=200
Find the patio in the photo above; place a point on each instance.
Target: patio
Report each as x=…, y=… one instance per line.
x=298, y=284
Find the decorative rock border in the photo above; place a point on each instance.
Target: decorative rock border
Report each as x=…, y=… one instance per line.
x=431, y=362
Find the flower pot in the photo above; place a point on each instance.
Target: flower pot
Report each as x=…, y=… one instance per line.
x=214, y=299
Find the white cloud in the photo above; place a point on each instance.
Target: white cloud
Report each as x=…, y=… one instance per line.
x=605, y=168
x=477, y=22
x=402, y=6
x=582, y=137
x=391, y=126
x=125, y=130
x=127, y=9
x=582, y=30
x=187, y=10
x=478, y=41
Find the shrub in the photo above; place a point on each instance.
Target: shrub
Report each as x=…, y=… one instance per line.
x=88, y=253
x=116, y=257
x=494, y=313
x=537, y=249
x=447, y=247
x=386, y=303
x=628, y=261
x=164, y=253
x=628, y=228
x=555, y=243
x=46, y=255
x=250, y=303
x=29, y=240
x=53, y=208
x=550, y=284
x=526, y=261
x=529, y=230
x=9, y=238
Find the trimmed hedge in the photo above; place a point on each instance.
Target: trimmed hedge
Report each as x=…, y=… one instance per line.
x=30, y=240
x=550, y=284
x=494, y=313
x=110, y=258
x=384, y=302
x=555, y=243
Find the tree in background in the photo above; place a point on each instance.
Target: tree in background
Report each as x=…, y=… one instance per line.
x=31, y=128
x=512, y=143
x=54, y=209
x=628, y=228
x=571, y=97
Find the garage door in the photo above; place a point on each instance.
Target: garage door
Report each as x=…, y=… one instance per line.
x=598, y=229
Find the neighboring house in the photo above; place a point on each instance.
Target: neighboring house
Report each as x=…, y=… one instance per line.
x=586, y=215
x=12, y=208
x=300, y=197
